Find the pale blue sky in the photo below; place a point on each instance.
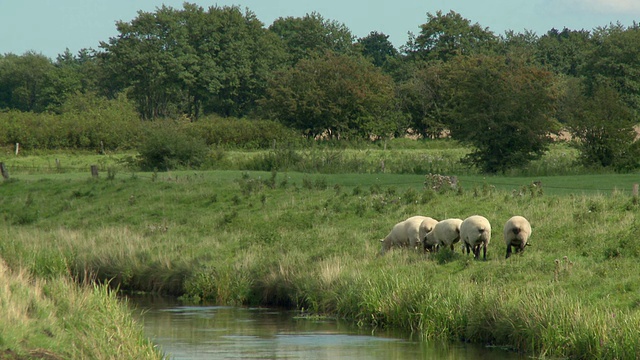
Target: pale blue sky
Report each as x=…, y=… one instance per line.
x=51, y=26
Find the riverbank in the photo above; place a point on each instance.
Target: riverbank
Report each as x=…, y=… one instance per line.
x=54, y=318
x=304, y=242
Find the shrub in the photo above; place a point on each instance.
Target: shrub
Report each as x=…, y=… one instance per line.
x=86, y=122
x=167, y=147
x=242, y=133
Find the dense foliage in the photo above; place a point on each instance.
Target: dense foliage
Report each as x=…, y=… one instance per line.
x=313, y=76
x=501, y=108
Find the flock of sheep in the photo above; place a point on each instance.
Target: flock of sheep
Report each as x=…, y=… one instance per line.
x=474, y=232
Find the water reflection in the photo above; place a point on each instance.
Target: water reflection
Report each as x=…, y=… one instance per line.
x=216, y=332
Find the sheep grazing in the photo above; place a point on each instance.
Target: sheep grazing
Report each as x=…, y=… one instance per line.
x=425, y=226
x=407, y=233
x=516, y=234
x=444, y=233
x=475, y=232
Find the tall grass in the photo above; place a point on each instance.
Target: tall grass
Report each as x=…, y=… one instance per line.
x=401, y=156
x=55, y=318
x=311, y=242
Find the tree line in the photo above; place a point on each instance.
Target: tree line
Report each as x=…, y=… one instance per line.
x=504, y=95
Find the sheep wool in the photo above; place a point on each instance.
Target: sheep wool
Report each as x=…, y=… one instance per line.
x=517, y=231
x=408, y=233
x=426, y=225
x=475, y=232
x=444, y=233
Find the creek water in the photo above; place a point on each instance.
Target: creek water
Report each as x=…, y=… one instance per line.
x=220, y=332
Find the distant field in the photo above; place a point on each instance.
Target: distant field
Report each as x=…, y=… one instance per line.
x=399, y=156
x=557, y=185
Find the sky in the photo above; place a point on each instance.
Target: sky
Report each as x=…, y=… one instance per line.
x=51, y=26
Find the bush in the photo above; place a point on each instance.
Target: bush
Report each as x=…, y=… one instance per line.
x=166, y=147
x=242, y=133
x=86, y=122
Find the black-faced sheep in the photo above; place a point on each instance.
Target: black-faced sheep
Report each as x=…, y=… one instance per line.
x=444, y=233
x=475, y=232
x=516, y=234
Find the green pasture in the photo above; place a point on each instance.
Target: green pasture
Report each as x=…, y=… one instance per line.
x=310, y=241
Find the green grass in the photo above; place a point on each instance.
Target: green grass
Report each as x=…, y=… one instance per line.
x=309, y=240
x=312, y=240
x=55, y=318
x=400, y=156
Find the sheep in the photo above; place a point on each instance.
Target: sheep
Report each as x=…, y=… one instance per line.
x=406, y=233
x=444, y=233
x=425, y=226
x=396, y=238
x=475, y=232
x=516, y=234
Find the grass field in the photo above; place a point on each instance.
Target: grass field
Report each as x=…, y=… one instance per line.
x=311, y=241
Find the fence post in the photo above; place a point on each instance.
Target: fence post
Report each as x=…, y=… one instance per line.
x=4, y=171
x=635, y=190
x=17, y=148
x=94, y=171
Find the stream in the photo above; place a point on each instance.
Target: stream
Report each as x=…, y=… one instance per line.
x=223, y=332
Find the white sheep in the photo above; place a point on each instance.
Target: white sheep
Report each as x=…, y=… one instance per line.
x=425, y=225
x=516, y=234
x=475, y=232
x=406, y=233
x=444, y=233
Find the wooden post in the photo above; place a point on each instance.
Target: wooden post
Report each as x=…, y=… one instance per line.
x=94, y=171
x=635, y=190
x=4, y=171
x=17, y=148
x=58, y=164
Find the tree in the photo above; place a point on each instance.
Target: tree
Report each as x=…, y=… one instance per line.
x=444, y=36
x=377, y=47
x=25, y=82
x=186, y=61
x=614, y=59
x=147, y=58
x=424, y=97
x=336, y=94
x=518, y=45
x=602, y=127
x=563, y=51
x=502, y=108
x=312, y=35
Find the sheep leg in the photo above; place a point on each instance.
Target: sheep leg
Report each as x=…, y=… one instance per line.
x=509, y=251
x=429, y=248
x=484, y=252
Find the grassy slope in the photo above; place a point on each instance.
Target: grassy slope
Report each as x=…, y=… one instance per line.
x=311, y=241
x=54, y=318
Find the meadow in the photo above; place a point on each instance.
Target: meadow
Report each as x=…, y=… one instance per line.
x=310, y=240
